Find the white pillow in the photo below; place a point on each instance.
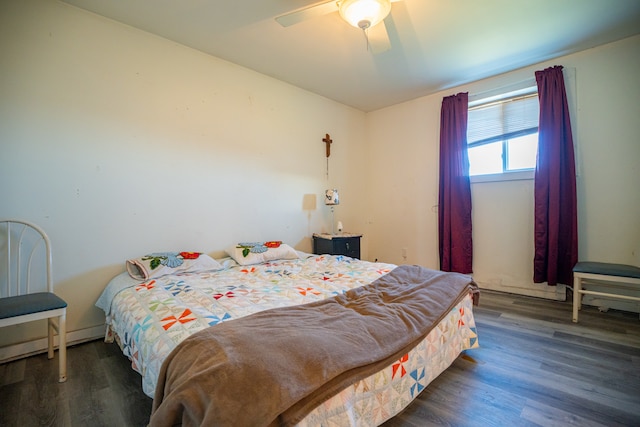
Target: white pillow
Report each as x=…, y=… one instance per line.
x=247, y=253
x=163, y=263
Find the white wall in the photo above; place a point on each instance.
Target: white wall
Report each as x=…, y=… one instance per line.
x=403, y=145
x=119, y=143
x=403, y=175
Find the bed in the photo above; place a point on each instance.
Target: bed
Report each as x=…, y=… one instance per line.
x=153, y=318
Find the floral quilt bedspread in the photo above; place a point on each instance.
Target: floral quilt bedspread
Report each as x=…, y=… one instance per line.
x=152, y=317
x=379, y=397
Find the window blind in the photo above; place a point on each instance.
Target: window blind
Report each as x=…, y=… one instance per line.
x=501, y=120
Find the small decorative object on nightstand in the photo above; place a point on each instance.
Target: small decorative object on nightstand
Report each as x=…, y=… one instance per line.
x=347, y=244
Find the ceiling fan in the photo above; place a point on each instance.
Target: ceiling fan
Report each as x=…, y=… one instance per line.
x=368, y=15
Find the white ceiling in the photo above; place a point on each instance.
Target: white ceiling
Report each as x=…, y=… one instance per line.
x=436, y=44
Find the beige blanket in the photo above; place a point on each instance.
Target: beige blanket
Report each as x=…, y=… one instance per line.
x=275, y=366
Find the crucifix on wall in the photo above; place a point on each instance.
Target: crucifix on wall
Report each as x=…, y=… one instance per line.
x=327, y=140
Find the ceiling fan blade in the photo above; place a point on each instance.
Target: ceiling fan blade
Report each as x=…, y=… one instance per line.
x=378, y=38
x=306, y=13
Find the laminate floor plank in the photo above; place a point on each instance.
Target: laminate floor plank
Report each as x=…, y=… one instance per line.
x=620, y=335
x=88, y=404
x=578, y=397
x=548, y=416
x=10, y=403
x=39, y=403
x=126, y=389
x=467, y=399
x=607, y=378
x=502, y=366
x=534, y=367
x=624, y=343
x=12, y=372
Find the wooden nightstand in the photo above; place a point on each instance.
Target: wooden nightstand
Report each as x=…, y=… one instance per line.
x=347, y=244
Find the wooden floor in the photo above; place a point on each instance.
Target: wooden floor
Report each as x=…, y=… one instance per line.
x=534, y=367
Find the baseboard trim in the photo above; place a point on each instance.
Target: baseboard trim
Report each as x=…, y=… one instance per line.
x=556, y=293
x=30, y=348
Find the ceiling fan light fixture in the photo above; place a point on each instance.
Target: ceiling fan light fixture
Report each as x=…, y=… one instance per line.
x=364, y=13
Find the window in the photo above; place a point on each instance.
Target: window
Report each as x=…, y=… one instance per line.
x=502, y=134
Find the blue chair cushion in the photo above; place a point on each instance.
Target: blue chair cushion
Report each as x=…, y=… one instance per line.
x=620, y=270
x=28, y=304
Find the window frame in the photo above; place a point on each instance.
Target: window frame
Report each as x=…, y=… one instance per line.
x=506, y=174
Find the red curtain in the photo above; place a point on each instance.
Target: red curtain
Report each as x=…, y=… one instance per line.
x=454, y=200
x=556, y=218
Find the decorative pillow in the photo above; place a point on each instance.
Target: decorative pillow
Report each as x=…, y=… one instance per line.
x=163, y=263
x=247, y=253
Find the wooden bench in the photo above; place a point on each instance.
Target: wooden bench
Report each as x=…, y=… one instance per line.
x=612, y=276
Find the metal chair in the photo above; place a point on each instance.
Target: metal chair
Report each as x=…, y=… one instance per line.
x=26, y=284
